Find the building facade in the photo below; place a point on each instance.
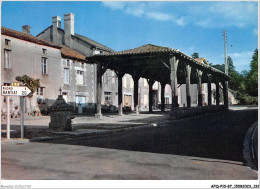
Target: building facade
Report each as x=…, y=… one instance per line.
x=24, y=54
x=55, y=66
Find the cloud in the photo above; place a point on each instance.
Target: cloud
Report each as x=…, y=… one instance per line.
x=223, y=14
x=136, y=12
x=147, y=10
x=241, y=60
x=213, y=14
x=115, y=5
x=158, y=16
x=181, y=21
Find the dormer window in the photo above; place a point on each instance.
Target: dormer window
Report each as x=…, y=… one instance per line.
x=44, y=51
x=7, y=42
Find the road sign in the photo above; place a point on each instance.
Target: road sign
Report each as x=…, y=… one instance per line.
x=15, y=91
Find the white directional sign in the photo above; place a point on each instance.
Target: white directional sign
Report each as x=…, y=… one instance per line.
x=15, y=91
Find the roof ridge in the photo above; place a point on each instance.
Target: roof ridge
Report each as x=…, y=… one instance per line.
x=93, y=41
x=27, y=37
x=82, y=36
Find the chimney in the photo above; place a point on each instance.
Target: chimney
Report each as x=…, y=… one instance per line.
x=56, y=21
x=26, y=29
x=69, y=24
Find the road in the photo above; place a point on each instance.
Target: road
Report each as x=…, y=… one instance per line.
x=205, y=147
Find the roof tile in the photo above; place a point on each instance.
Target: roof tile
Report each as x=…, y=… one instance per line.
x=27, y=37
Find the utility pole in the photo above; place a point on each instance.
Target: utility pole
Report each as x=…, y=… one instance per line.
x=226, y=71
x=225, y=53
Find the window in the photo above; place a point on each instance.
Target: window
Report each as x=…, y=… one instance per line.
x=108, y=98
x=82, y=65
x=68, y=63
x=66, y=75
x=40, y=95
x=44, y=51
x=7, y=59
x=40, y=91
x=80, y=77
x=80, y=101
x=44, y=65
x=7, y=42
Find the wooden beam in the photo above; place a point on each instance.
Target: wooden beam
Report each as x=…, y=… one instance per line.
x=173, y=76
x=163, y=96
x=99, y=90
x=187, y=75
x=209, y=90
x=199, y=76
x=150, y=82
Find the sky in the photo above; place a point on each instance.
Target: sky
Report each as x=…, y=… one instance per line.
x=191, y=26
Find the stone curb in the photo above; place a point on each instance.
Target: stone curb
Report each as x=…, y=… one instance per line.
x=63, y=135
x=15, y=141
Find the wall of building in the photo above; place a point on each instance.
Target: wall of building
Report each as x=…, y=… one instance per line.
x=72, y=90
x=26, y=60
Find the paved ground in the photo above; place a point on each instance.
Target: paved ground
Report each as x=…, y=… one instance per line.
x=37, y=126
x=205, y=147
x=41, y=161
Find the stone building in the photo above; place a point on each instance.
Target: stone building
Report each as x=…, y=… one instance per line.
x=87, y=47
x=109, y=96
x=66, y=63
x=25, y=54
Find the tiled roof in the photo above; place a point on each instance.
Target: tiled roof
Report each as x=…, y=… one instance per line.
x=65, y=51
x=83, y=38
x=202, y=60
x=72, y=54
x=26, y=37
x=148, y=48
x=94, y=43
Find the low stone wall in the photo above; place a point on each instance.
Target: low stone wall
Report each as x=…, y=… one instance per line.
x=185, y=112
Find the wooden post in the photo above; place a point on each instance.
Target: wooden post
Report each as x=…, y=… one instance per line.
x=187, y=74
x=120, y=93
x=151, y=82
x=209, y=90
x=174, y=64
x=22, y=115
x=199, y=78
x=99, y=90
x=163, y=96
x=225, y=93
x=217, y=93
x=136, y=80
x=8, y=117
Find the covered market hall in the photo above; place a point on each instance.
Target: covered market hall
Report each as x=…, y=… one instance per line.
x=167, y=66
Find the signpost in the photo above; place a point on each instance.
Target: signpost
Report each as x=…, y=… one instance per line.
x=15, y=90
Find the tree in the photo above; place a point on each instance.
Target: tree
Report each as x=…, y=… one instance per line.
x=236, y=77
x=195, y=55
x=219, y=67
x=32, y=84
x=252, y=76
